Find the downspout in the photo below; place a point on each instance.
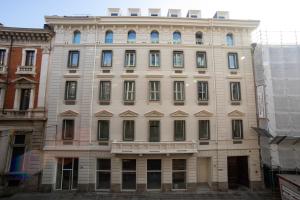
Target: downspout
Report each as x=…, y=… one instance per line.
x=7, y=75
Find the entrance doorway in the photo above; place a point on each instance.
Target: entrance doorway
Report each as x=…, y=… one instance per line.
x=237, y=171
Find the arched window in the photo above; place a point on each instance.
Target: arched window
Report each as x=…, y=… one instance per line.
x=131, y=36
x=154, y=37
x=229, y=39
x=176, y=37
x=109, y=37
x=76, y=37
x=199, y=38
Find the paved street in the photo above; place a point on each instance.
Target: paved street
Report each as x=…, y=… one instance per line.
x=234, y=195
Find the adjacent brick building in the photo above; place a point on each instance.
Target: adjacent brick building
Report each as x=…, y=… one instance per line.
x=23, y=75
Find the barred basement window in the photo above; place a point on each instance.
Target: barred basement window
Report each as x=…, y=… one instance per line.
x=103, y=174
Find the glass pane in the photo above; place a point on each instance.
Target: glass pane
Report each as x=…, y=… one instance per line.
x=17, y=157
x=67, y=179
x=131, y=36
x=179, y=129
x=154, y=131
x=153, y=180
x=203, y=129
x=179, y=181
x=154, y=164
x=68, y=129
x=106, y=58
x=103, y=128
x=154, y=37
x=179, y=164
x=76, y=38
x=19, y=139
x=105, y=90
x=25, y=99
x=109, y=37
x=129, y=180
x=103, y=164
x=59, y=173
x=128, y=130
x=129, y=165
x=103, y=180
x=177, y=37
x=2, y=56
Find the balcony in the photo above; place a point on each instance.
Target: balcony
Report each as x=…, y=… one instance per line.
x=3, y=69
x=24, y=70
x=10, y=114
x=154, y=147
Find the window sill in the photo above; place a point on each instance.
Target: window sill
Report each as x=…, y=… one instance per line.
x=104, y=102
x=128, y=103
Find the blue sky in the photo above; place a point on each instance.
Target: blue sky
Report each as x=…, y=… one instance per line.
x=279, y=15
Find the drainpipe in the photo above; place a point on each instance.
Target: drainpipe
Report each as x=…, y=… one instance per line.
x=7, y=75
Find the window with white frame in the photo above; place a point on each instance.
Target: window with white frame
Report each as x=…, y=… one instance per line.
x=103, y=174
x=103, y=130
x=154, y=90
x=130, y=58
x=154, y=58
x=105, y=92
x=128, y=130
x=204, y=130
x=67, y=174
x=235, y=91
x=68, y=129
x=179, y=92
x=106, y=58
x=179, y=130
x=2, y=57
x=201, y=59
x=233, y=61
x=29, y=57
x=73, y=60
x=202, y=90
x=129, y=91
x=179, y=174
x=237, y=129
x=70, y=90
x=178, y=59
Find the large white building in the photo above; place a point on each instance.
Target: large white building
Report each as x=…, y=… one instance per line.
x=141, y=103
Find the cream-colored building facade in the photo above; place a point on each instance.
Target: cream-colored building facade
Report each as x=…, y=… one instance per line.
x=75, y=157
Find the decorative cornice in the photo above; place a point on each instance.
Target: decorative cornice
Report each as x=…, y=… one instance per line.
x=154, y=113
x=69, y=113
x=236, y=113
x=203, y=113
x=128, y=113
x=103, y=113
x=179, y=113
x=23, y=79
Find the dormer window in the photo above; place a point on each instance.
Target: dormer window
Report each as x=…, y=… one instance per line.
x=76, y=37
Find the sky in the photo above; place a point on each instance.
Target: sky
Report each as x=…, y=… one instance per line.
x=273, y=14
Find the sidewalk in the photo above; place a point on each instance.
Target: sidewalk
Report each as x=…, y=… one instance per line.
x=231, y=195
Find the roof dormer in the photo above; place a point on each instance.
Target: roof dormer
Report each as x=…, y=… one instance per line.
x=174, y=13
x=194, y=14
x=154, y=12
x=113, y=12
x=134, y=12
x=221, y=15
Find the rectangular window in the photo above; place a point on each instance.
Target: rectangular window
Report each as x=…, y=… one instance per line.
x=2, y=57
x=17, y=156
x=25, y=99
x=70, y=90
x=178, y=59
x=204, y=130
x=67, y=174
x=106, y=58
x=114, y=14
x=128, y=130
x=202, y=91
x=237, y=129
x=103, y=130
x=68, y=129
x=73, y=60
x=129, y=91
x=134, y=14
x=29, y=59
x=179, y=173
x=233, y=61
x=154, y=90
x=154, y=58
x=179, y=130
x=235, y=91
x=201, y=59
x=129, y=174
x=105, y=91
x=179, y=92
x=154, y=131
x=130, y=58
x=154, y=174
x=103, y=174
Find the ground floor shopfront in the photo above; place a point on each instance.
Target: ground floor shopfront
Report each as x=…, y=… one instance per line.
x=102, y=171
